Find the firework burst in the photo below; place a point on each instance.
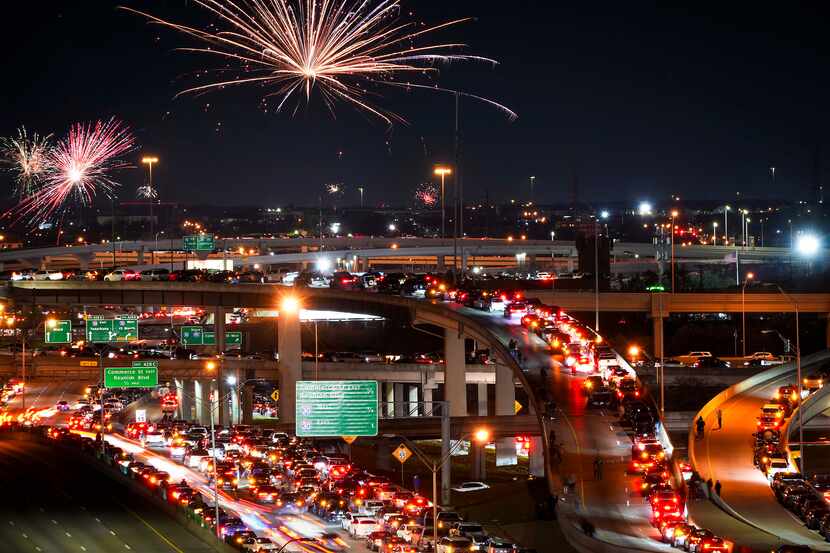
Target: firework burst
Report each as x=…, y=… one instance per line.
x=427, y=194
x=147, y=192
x=339, y=48
x=27, y=158
x=79, y=167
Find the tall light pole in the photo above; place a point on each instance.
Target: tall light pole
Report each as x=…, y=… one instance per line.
x=726, y=209
x=442, y=171
x=532, y=182
x=360, y=189
x=149, y=161
x=673, y=217
x=749, y=276
x=714, y=233
x=596, y=276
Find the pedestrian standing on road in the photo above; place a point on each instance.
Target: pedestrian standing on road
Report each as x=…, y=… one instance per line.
x=709, y=488
x=700, y=426
x=717, y=488
x=598, y=468
x=720, y=419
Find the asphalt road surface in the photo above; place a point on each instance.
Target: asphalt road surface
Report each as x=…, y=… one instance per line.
x=57, y=504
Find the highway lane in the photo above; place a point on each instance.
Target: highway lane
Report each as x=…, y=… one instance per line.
x=727, y=455
x=57, y=504
x=613, y=504
x=43, y=395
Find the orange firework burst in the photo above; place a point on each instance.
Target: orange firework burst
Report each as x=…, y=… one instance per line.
x=337, y=47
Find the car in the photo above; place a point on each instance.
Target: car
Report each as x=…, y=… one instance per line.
x=592, y=383
x=362, y=526
x=602, y=397
x=454, y=544
x=788, y=393
x=62, y=405
x=695, y=537
x=794, y=493
x=154, y=274
x=469, y=487
x=711, y=362
x=709, y=544
x=679, y=531
x=266, y=494
x=47, y=275
x=498, y=545
x=813, y=514
x=258, y=545
x=472, y=530
x=374, y=540
x=781, y=480
x=812, y=382
x=121, y=274
x=766, y=422
x=342, y=280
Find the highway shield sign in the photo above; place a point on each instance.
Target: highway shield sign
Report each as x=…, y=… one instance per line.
x=337, y=408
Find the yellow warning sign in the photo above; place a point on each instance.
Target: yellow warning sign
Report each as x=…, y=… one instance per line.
x=402, y=454
x=349, y=439
x=275, y=395
x=517, y=407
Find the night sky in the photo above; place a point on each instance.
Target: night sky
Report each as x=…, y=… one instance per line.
x=638, y=100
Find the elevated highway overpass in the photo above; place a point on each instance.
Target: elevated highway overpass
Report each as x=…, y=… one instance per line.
x=372, y=251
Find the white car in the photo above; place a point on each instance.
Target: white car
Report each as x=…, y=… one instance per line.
x=255, y=545
x=119, y=275
x=471, y=487
x=154, y=439
x=362, y=526
x=346, y=521
x=410, y=532
x=47, y=275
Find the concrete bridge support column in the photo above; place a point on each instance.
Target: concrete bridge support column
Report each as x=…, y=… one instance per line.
x=219, y=328
x=412, y=396
x=505, y=400
x=657, y=336
x=221, y=414
x=440, y=264
x=537, y=457
x=247, y=404
x=290, y=349
x=482, y=399
x=478, y=466
x=186, y=403
x=427, y=399
x=200, y=399
x=400, y=399
x=455, y=383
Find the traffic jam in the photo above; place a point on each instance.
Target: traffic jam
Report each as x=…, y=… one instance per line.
x=805, y=497
x=258, y=489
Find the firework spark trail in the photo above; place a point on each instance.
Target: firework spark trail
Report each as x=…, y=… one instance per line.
x=147, y=192
x=80, y=167
x=338, y=47
x=427, y=194
x=27, y=158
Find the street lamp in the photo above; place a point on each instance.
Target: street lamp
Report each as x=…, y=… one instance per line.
x=532, y=182
x=443, y=171
x=726, y=210
x=749, y=276
x=714, y=233
x=149, y=161
x=481, y=436
x=644, y=208
x=807, y=244
x=674, y=215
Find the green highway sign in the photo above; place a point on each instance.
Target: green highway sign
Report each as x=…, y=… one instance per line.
x=200, y=336
x=336, y=408
x=199, y=243
x=131, y=377
x=58, y=332
x=123, y=328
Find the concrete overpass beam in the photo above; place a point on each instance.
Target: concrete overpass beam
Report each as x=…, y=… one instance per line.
x=290, y=350
x=537, y=457
x=505, y=400
x=455, y=383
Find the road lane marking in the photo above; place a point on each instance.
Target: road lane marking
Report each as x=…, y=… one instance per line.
x=83, y=548
x=152, y=529
x=25, y=536
x=68, y=535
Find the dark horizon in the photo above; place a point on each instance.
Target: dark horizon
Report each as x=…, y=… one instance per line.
x=634, y=102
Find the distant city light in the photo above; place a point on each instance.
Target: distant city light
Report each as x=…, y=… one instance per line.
x=807, y=244
x=644, y=208
x=335, y=227
x=323, y=264
x=392, y=227
x=604, y=214
x=231, y=380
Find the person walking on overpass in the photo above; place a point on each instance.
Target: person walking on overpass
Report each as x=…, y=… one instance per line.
x=717, y=488
x=701, y=425
x=720, y=419
x=598, y=468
